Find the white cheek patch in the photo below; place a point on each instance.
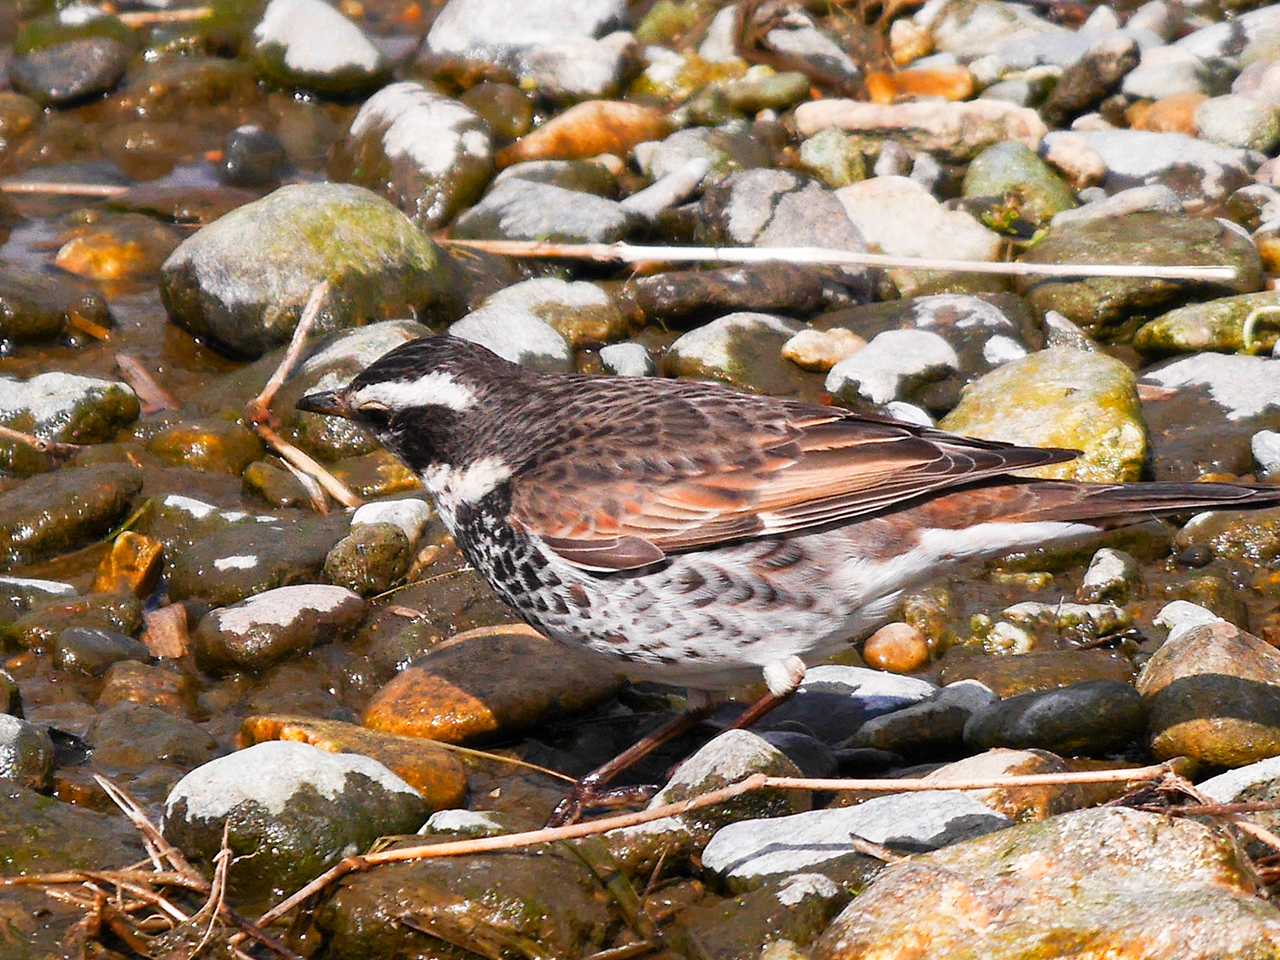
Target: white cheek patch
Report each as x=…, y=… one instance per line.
x=470, y=484
x=435, y=389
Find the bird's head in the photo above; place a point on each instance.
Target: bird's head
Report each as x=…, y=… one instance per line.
x=422, y=399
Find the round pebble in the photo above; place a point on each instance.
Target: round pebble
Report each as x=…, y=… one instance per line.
x=896, y=647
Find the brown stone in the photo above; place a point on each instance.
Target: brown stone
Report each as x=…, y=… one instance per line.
x=1011, y=675
x=954, y=83
x=481, y=686
x=1021, y=803
x=589, y=129
x=896, y=647
x=131, y=682
x=1175, y=114
x=433, y=771
x=1214, y=695
x=131, y=566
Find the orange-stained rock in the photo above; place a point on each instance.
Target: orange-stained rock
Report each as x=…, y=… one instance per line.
x=131, y=566
x=1016, y=803
x=486, y=686
x=587, y=130
x=431, y=770
x=117, y=249
x=909, y=41
x=1175, y=114
x=133, y=682
x=896, y=647
x=955, y=83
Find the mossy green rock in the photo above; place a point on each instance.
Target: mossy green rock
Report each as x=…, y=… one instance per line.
x=833, y=158
x=1214, y=695
x=1061, y=398
x=48, y=515
x=1250, y=535
x=70, y=55
x=1013, y=172
x=370, y=559
x=1215, y=325
x=208, y=444
x=1107, y=882
x=34, y=305
x=1105, y=307
x=291, y=811
x=61, y=407
x=243, y=280
x=39, y=834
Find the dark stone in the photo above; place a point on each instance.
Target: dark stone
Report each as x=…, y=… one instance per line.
x=91, y=651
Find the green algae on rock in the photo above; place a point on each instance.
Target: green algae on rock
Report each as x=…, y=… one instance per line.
x=1061, y=398
x=1014, y=173
x=309, y=44
x=242, y=280
x=48, y=515
x=61, y=407
x=1103, y=882
x=1214, y=325
x=1105, y=306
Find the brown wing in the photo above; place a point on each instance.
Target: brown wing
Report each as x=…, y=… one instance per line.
x=711, y=468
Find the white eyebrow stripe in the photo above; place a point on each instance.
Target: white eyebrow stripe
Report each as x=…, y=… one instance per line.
x=436, y=388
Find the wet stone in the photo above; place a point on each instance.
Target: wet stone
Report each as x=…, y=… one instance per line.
x=1016, y=803
x=292, y=811
x=486, y=687
x=1119, y=880
x=26, y=753
x=132, y=566
x=426, y=153
x=242, y=281
x=744, y=854
x=679, y=296
x=370, y=559
x=92, y=651
x=128, y=681
x=252, y=157
x=504, y=107
x=36, y=307
x=1103, y=305
x=1088, y=718
x=728, y=148
x=836, y=700
x=249, y=556
x=435, y=773
x=1214, y=695
x=39, y=834
x=1009, y=676
x=124, y=246
x=130, y=738
x=214, y=445
x=310, y=45
x=934, y=726
x=45, y=516
x=39, y=628
x=1204, y=410
x=1061, y=398
x=518, y=209
x=61, y=407
x=743, y=350
x=790, y=912
x=627, y=360
x=729, y=758
x=71, y=55
x=1112, y=576
x=1216, y=325
x=270, y=626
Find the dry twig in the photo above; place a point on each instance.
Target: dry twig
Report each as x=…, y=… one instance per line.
x=752, y=783
x=53, y=188
x=147, y=18
x=636, y=253
x=258, y=410
x=52, y=448
x=154, y=397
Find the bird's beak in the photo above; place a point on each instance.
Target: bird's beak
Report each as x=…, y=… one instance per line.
x=330, y=402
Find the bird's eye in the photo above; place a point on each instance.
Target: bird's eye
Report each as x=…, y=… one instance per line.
x=374, y=413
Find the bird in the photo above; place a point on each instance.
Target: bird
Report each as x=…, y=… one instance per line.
x=705, y=537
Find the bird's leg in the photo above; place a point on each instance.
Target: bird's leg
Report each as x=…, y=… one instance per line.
x=587, y=793
x=783, y=677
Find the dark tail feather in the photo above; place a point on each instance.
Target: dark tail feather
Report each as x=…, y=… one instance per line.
x=1124, y=503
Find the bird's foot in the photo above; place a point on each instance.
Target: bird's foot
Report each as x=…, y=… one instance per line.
x=587, y=795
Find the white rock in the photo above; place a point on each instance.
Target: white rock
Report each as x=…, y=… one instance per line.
x=317, y=39
x=892, y=362
x=1156, y=197
x=1266, y=450
x=749, y=850
x=1239, y=121
x=1227, y=787
x=269, y=775
x=1182, y=616
x=498, y=28
x=627, y=360
x=410, y=515
x=1165, y=72
x=821, y=350
x=1243, y=386
x=51, y=398
x=432, y=131
x=281, y=606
